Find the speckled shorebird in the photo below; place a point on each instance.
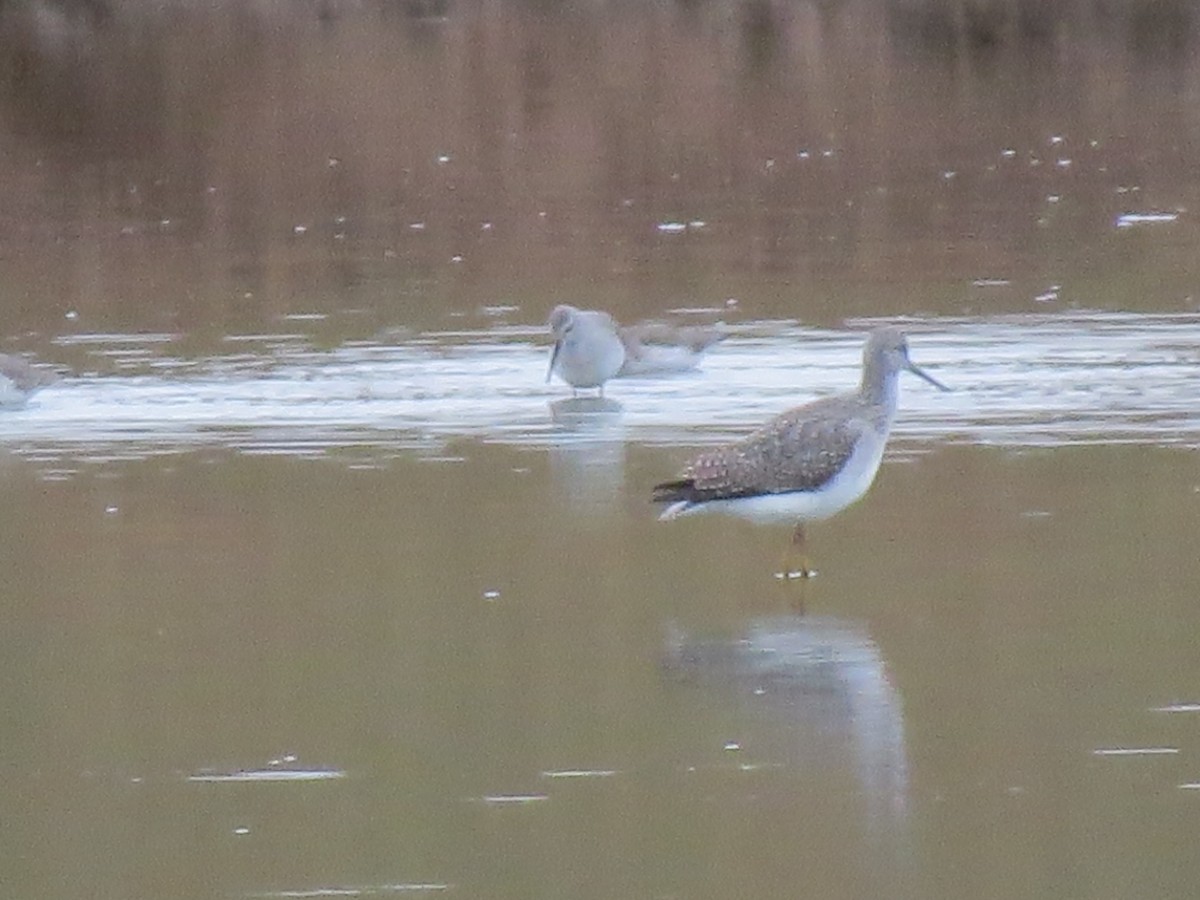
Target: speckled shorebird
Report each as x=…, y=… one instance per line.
x=653, y=348
x=587, y=351
x=19, y=380
x=808, y=463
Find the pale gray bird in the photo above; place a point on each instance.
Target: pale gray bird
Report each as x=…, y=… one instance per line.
x=587, y=351
x=653, y=348
x=19, y=380
x=590, y=347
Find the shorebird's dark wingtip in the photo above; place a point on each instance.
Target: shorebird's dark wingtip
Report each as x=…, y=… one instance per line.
x=674, y=491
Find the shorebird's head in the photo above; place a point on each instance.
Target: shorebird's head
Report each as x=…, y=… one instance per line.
x=887, y=353
x=561, y=321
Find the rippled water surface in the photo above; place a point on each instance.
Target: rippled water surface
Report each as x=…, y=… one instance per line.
x=1040, y=380
x=315, y=587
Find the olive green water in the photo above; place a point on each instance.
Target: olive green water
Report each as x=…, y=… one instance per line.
x=313, y=587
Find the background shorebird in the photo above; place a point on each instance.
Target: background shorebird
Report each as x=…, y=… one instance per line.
x=587, y=351
x=19, y=380
x=590, y=347
x=808, y=463
x=658, y=347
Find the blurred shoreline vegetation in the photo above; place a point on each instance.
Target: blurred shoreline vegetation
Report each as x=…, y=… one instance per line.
x=1155, y=26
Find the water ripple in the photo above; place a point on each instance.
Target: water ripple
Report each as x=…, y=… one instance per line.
x=1018, y=381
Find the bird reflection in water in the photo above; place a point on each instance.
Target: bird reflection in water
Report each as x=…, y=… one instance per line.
x=583, y=414
x=826, y=683
x=587, y=456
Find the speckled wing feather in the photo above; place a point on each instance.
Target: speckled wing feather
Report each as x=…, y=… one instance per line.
x=799, y=450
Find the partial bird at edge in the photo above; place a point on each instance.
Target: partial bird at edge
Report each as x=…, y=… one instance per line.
x=20, y=380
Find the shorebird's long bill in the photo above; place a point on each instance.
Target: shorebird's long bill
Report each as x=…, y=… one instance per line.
x=553, y=359
x=912, y=367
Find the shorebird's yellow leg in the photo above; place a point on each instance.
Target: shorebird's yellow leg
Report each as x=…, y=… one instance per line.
x=794, y=552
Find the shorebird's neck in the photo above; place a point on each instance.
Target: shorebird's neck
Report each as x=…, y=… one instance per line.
x=880, y=386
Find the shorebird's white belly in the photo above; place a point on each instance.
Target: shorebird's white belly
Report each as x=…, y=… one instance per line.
x=590, y=359
x=803, y=506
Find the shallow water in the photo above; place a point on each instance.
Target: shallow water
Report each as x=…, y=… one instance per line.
x=482, y=676
x=315, y=587
x=1018, y=381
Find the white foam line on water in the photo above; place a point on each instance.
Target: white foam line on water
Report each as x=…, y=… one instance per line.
x=1018, y=381
x=110, y=339
x=1177, y=708
x=579, y=773
x=413, y=887
x=512, y=799
x=1135, y=751
x=266, y=775
x=1128, y=220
